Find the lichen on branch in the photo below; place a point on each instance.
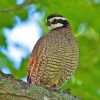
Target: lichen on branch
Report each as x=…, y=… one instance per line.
x=12, y=89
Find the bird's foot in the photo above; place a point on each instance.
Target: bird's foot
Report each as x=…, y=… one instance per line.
x=54, y=89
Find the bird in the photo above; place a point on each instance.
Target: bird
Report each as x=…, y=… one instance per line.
x=54, y=58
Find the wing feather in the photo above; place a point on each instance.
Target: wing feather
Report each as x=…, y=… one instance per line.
x=32, y=68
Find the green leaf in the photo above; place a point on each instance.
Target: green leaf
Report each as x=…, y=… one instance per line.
x=2, y=39
x=4, y=61
x=23, y=68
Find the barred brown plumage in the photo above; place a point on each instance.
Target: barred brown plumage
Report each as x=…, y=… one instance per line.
x=55, y=56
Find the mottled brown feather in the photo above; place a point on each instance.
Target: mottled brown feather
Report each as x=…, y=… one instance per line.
x=54, y=58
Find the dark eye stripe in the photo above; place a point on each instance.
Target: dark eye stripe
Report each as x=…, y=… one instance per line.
x=59, y=21
x=55, y=21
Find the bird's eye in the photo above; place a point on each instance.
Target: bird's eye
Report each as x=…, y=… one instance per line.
x=55, y=21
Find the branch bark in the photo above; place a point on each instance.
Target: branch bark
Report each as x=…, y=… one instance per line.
x=12, y=89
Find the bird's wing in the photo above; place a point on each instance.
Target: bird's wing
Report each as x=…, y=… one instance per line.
x=32, y=69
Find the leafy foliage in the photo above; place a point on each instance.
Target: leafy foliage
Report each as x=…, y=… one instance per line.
x=84, y=16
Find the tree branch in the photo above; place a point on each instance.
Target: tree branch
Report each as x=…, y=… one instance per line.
x=18, y=7
x=12, y=89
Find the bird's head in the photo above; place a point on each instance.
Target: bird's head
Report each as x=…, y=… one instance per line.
x=55, y=21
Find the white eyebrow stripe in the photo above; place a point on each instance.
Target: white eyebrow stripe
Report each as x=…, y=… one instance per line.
x=53, y=26
x=51, y=19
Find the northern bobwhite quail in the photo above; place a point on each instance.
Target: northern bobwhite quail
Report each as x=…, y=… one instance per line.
x=55, y=56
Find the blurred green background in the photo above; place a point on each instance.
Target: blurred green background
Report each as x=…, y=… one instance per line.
x=84, y=17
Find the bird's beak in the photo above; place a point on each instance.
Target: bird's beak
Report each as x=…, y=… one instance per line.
x=48, y=23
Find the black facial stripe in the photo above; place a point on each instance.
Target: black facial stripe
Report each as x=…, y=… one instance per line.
x=61, y=21
x=55, y=21
x=64, y=22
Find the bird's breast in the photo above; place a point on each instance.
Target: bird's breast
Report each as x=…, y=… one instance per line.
x=58, y=58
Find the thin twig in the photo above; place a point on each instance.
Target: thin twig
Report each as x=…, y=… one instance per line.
x=16, y=8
